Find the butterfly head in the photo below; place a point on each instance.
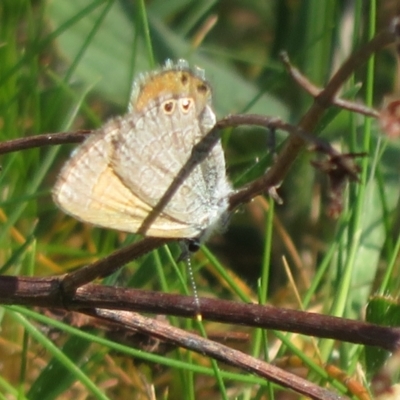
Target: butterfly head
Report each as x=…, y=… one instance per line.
x=174, y=81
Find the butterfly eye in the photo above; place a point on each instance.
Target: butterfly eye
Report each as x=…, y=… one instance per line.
x=185, y=104
x=184, y=79
x=202, y=88
x=168, y=106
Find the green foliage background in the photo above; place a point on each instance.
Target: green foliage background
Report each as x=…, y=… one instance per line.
x=66, y=65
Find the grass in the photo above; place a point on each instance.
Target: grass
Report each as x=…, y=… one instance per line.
x=69, y=65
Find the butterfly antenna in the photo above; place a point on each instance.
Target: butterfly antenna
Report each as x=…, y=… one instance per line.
x=186, y=256
x=194, y=288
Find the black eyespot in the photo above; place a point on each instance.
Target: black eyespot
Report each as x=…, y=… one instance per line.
x=184, y=79
x=185, y=104
x=168, y=107
x=202, y=88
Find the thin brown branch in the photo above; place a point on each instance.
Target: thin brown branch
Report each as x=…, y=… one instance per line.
x=356, y=59
x=262, y=316
x=31, y=291
x=218, y=351
x=344, y=163
x=47, y=139
x=109, y=264
x=295, y=144
x=315, y=91
x=47, y=292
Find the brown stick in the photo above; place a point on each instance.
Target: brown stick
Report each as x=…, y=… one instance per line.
x=47, y=292
x=215, y=350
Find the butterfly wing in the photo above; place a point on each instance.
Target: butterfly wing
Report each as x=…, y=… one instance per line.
x=88, y=189
x=152, y=156
x=146, y=172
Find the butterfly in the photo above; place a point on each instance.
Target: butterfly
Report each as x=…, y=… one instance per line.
x=153, y=170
